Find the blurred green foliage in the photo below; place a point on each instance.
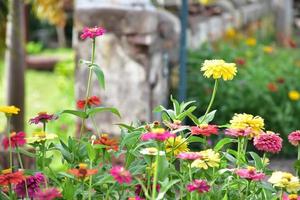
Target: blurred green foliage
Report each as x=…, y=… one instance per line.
x=266, y=74
x=34, y=47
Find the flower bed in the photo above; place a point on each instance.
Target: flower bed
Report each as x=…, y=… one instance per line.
x=153, y=160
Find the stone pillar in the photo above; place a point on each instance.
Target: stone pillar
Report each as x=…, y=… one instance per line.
x=135, y=55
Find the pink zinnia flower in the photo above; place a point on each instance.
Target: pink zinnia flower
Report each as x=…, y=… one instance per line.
x=268, y=142
x=290, y=197
x=158, y=134
x=238, y=132
x=42, y=117
x=48, y=194
x=205, y=130
x=250, y=174
x=17, y=140
x=294, y=138
x=33, y=185
x=121, y=175
x=92, y=32
x=189, y=155
x=200, y=186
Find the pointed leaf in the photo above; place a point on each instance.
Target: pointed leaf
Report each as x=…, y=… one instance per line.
x=223, y=142
x=209, y=117
x=77, y=113
x=93, y=111
x=100, y=75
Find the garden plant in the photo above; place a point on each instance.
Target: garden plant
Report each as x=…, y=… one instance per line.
x=156, y=160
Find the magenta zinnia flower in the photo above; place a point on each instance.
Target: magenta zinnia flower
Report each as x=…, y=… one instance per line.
x=92, y=32
x=250, y=173
x=238, y=132
x=48, y=194
x=268, y=142
x=205, y=130
x=121, y=175
x=16, y=139
x=200, y=186
x=158, y=134
x=294, y=138
x=189, y=155
x=42, y=117
x=33, y=185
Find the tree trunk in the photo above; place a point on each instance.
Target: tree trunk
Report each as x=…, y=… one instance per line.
x=15, y=61
x=61, y=37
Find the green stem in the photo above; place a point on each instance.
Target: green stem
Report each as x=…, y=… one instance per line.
x=108, y=192
x=239, y=152
x=191, y=177
x=155, y=175
x=298, y=158
x=211, y=101
x=95, y=125
x=22, y=167
x=9, y=142
x=90, y=181
x=43, y=160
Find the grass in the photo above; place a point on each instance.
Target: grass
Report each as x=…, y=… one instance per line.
x=46, y=91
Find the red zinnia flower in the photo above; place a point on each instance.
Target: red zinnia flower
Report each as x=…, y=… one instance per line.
x=268, y=142
x=9, y=178
x=250, y=173
x=294, y=138
x=121, y=175
x=200, y=186
x=92, y=32
x=93, y=100
x=240, y=61
x=82, y=171
x=110, y=143
x=42, y=117
x=272, y=87
x=205, y=130
x=16, y=139
x=48, y=194
x=280, y=80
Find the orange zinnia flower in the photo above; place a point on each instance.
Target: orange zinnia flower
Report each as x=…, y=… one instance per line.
x=82, y=171
x=8, y=177
x=110, y=143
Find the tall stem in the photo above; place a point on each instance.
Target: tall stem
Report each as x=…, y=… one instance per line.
x=211, y=101
x=155, y=175
x=90, y=181
x=9, y=142
x=298, y=158
x=22, y=167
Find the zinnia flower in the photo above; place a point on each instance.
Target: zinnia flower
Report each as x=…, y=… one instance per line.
x=92, y=32
x=219, y=69
x=40, y=137
x=16, y=139
x=238, y=132
x=48, y=194
x=158, y=134
x=82, y=172
x=152, y=151
x=294, y=95
x=250, y=41
x=198, y=185
x=240, y=61
x=272, y=87
x=8, y=177
x=93, y=100
x=42, y=117
x=204, y=129
x=109, y=143
x=243, y=121
x=9, y=110
x=268, y=142
x=250, y=173
x=33, y=185
x=294, y=138
x=290, y=197
x=121, y=175
x=285, y=180
x=135, y=198
x=208, y=158
x=177, y=145
x=189, y=155
x=268, y=49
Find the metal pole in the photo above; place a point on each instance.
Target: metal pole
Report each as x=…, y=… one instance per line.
x=182, y=55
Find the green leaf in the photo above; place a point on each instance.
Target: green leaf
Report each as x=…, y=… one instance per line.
x=165, y=188
x=176, y=106
x=27, y=153
x=87, y=62
x=77, y=113
x=257, y=159
x=181, y=116
x=93, y=111
x=193, y=118
x=159, y=108
x=196, y=139
x=100, y=75
x=223, y=142
x=209, y=117
x=184, y=105
x=91, y=151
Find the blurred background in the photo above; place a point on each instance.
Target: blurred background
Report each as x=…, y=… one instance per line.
x=151, y=49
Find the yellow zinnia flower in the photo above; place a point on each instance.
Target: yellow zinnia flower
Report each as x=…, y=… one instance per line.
x=209, y=158
x=243, y=121
x=174, y=142
x=250, y=41
x=219, y=69
x=40, y=137
x=268, y=49
x=9, y=110
x=294, y=95
x=206, y=2
x=230, y=33
x=285, y=180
